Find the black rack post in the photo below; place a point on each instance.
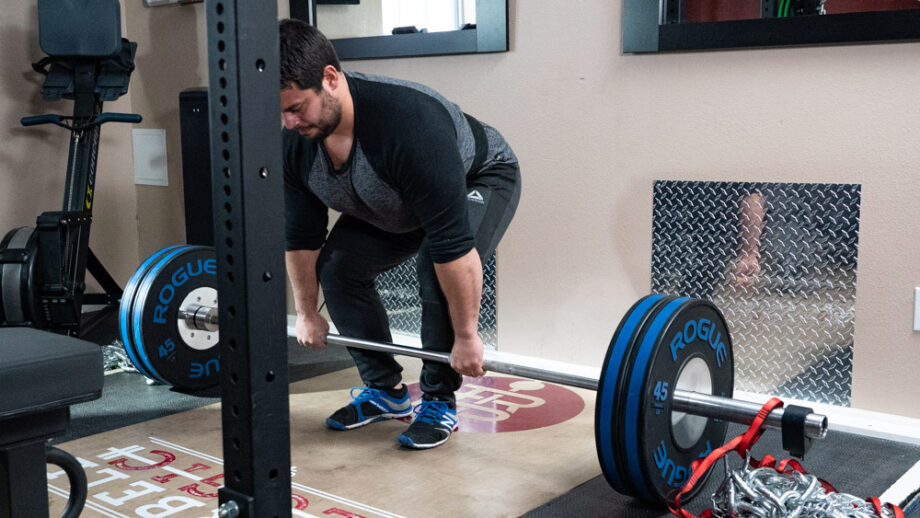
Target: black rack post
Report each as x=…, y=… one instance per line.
x=246, y=171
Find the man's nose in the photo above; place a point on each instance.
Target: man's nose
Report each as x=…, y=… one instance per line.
x=290, y=120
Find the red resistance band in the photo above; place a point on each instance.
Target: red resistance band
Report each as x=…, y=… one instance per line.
x=742, y=444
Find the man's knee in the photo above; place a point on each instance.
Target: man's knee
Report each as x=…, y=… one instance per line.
x=429, y=288
x=335, y=269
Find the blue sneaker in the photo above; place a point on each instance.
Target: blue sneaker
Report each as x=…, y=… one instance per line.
x=434, y=422
x=368, y=406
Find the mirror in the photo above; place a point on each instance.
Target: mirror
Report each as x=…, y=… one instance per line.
x=363, y=29
x=712, y=24
x=704, y=11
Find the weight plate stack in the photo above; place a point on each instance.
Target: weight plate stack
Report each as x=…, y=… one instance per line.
x=686, y=345
x=607, y=415
x=164, y=345
x=127, y=306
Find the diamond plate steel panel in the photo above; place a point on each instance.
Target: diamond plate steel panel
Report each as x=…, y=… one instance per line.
x=398, y=290
x=779, y=260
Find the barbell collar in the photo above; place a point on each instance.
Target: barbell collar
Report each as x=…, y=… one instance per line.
x=204, y=318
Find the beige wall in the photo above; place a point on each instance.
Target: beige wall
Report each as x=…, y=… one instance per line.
x=171, y=57
x=33, y=160
x=594, y=128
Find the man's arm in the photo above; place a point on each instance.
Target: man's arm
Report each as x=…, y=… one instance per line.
x=311, y=327
x=461, y=281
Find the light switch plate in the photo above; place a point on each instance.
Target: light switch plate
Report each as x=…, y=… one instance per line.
x=150, y=157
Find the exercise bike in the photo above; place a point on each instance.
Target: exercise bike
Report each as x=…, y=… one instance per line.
x=43, y=268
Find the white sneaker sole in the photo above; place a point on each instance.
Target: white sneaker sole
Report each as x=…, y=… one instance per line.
x=335, y=425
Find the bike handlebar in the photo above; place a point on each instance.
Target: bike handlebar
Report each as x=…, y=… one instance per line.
x=102, y=118
x=35, y=120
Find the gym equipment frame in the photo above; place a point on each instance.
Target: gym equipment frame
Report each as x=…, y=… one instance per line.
x=246, y=173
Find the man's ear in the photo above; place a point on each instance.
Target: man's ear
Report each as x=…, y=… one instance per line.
x=331, y=77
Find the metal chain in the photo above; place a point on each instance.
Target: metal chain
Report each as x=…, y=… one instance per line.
x=115, y=357
x=768, y=493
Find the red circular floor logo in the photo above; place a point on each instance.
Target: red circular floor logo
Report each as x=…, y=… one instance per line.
x=494, y=404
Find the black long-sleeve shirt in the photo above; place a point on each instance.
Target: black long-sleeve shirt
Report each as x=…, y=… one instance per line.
x=414, y=154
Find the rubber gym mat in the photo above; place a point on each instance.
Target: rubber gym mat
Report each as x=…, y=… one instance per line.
x=127, y=399
x=854, y=464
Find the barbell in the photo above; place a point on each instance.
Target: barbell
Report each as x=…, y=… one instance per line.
x=663, y=396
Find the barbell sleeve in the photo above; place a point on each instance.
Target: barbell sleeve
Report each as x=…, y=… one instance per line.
x=737, y=411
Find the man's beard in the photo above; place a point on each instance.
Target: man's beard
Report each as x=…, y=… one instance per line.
x=330, y=117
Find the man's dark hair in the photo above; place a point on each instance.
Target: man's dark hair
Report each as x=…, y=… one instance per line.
x=305, y=52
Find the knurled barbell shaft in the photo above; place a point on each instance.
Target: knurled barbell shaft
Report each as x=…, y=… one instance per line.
x=696, y=403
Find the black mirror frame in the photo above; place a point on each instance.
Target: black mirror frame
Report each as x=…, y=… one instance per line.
x=644, y=32
x=490, y=35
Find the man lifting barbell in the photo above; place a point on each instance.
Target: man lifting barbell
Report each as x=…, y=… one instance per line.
x=411, y=174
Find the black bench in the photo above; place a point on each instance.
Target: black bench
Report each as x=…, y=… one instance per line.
x=41, y=375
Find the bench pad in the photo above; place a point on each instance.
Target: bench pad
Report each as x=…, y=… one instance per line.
x=40, y=371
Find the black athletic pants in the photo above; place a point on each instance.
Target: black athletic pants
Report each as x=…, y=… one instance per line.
x=355, y=253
